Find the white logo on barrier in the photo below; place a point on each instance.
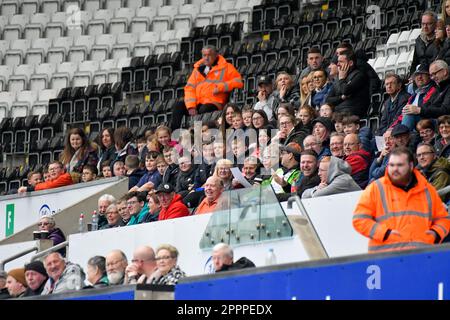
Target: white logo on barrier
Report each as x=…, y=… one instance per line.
x=374, y=20
x=374, y=280
x=209, y=267
x=45, y=211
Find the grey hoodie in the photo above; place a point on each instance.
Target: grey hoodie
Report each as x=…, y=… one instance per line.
x=339, y=181
x=71, y=279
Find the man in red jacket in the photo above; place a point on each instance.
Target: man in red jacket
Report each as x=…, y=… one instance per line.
x=172, y=205
x=358, y=158
x=58, y=178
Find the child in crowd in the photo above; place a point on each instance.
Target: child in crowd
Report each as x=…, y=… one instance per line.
x=326, y=111
x=247, y=114
x=90, y=173
x=105, y=169
x=152, y=177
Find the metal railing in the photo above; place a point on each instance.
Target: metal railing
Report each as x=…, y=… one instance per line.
x=49, y=250
x=16, y=256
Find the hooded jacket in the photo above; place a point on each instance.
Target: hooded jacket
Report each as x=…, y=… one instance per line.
x=339, y=181
x=71, y=279
x=223, y=76
x=176, y=209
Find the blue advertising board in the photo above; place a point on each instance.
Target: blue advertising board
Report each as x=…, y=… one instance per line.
x=421, y=275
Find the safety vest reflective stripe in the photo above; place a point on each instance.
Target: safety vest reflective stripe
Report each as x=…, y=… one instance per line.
x=388, y=214
x=441, y=227
x=190, y=100
x=372, y=231
x=362, y=216
x=191, y=85
x=400, y=245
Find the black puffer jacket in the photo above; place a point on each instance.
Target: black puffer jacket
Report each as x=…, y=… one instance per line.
x=368, y=71
x=242, y=263
x=184, y=180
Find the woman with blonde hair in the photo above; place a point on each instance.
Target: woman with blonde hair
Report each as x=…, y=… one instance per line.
x=168, y=272
x=223, y=172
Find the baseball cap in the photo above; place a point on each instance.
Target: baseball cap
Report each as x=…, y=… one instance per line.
x=293, y=148
x=166, y=188
x=399, y=130
x=422, y=68
x=264, y=80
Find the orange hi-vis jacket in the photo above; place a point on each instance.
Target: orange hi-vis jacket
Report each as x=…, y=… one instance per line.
x=383, y=206
x=199, y=90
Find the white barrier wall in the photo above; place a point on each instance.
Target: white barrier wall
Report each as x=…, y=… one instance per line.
x=8, y=250
x=18, y=212
x=331, y=217
x=185, y=234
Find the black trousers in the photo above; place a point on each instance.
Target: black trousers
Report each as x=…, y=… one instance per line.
x=179, y=110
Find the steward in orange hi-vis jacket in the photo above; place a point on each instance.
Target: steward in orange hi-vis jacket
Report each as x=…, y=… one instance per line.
x=400, y=218
x=213, y=88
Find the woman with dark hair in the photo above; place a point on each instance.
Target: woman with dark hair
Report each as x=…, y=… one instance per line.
x=226, y=120
x=78, y=151
x=123, y=138
x=259, y=120
x=96, y=273
x=107, y=145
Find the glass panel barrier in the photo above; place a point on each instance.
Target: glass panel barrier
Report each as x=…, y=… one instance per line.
x=247, y=216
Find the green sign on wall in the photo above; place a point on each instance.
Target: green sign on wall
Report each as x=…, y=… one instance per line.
x=9, y=225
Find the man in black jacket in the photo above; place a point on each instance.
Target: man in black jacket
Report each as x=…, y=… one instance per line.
x=425, y=51
x=36, y=277
x=440, y=104
x=350, y=92
x=222, y=257
x=392, y=107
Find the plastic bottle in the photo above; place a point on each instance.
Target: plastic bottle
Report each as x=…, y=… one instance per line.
x=271, y=259
x=81, y=223
x=94, y=221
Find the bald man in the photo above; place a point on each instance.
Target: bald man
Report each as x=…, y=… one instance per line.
x=116, y=263
x=213, y=191
x=358, y=159
x=142, y=265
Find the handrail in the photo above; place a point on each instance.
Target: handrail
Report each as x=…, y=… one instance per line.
x=52, y=249
x=305, y=215
x=444, y=191
x=16, y=256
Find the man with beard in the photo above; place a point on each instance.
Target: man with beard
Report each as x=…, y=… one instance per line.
x=116, y=263
x=402, y=210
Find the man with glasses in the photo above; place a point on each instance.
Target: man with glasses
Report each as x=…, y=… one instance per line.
x=57, y=178
x=436, y=170
x=137, y=206
x=142, y=265
x=358, y=159
x=440, y=105
x=116, y=263
x=425, y=51
x=314, y=143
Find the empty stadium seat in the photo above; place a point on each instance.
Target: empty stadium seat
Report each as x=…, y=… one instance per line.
x=163, y=21
x=9, y=7
x=42, y=75
x=38, y=51
x=21, y=77
x=114, y=74
x=5, y=73
x=144, y=46
x=50, y=6
x=186, y=15
x=16, y=53
x=41, y=105
x=6, y=100
x=35, y=29
x=77, y=23
x=142, y=20
x=124, y=45
x=81, y=48
x=85, y=73
x=63, y=76
x=220, y=15
x=101, y=76
x=205, y=16
x=15, y=27
x=30, y=7
x=24, y=102
x=122, y=19
x=102, y=47
x=92, y=5
x=60, y=49
x=57, y=26
x=99, y=24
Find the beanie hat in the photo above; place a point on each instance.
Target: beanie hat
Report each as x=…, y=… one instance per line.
x=19, y=275
x=37, y=266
